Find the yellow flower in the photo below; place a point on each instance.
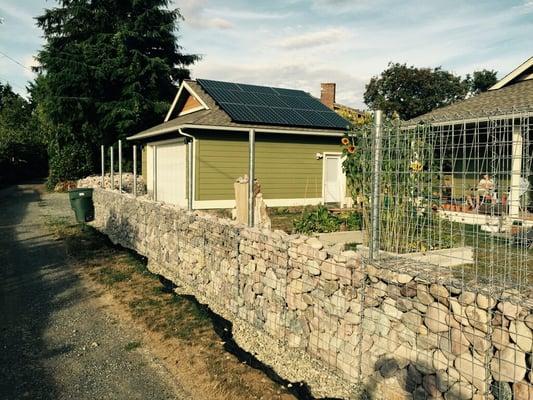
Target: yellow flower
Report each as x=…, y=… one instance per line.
x=351, y=149
x=345, y=141
x=416, y=166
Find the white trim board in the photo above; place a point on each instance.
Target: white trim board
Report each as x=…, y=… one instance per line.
x=513, y=74
x=192, y=93
x=213, y=204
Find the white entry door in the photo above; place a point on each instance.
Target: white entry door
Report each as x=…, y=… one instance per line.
x=170, y=164
x=333, y=178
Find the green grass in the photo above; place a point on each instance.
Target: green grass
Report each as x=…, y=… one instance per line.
x=110, y=276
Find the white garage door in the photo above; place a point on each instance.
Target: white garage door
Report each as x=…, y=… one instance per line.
x=170, y=160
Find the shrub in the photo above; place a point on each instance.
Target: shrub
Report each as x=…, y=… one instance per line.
x=321, y=220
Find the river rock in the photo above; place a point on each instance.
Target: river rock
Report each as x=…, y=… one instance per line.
x=509, y=310
x=440, y=293
x=500, y=337
x=422, y=293
x=460, y=391
x=509, y=364
x=522, y=391
x=501, y=391
x=472, y=370
x=485, y=302
x=436, y=317
x=478, y=318
x=521, y=335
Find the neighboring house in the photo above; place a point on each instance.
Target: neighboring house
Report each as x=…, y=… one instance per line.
x=489, y=133
x=327, y=97
x=297, y=159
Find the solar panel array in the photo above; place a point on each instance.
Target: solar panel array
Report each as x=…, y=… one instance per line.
x=272, y=106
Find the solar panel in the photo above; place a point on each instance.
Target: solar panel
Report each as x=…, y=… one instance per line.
x=272, y=106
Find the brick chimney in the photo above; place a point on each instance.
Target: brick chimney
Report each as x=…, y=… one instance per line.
x=327, y=94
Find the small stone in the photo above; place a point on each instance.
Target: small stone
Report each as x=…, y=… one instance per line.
x=522, y=391
x=509, y=364
x=529, y=321
x=509, y=310
x=466, y=298
x=521, y=335
x=436, y=317
x=387, y=367
x=422, y=293
x=501, y=391
x=443, y=380
x=409, y=289
x=315, y=243
x=485, y=302
x=456, y=343
x=404, y=304
x=459, y=391
x=430, y=385
x=440, y=361
x=440, y=293
x=500, y=338
x=478, y=318
x=412, y=320
x=403, y=278
x=472, y=369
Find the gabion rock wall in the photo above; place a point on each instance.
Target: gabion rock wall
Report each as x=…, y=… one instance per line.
x=402, y=331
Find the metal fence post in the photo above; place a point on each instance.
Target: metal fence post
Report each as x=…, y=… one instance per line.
x=135, y=170
x=376, y=177
x=112, y=166
x=251, y=173
x=190, y=177
x=120, y=166
x=102, y=156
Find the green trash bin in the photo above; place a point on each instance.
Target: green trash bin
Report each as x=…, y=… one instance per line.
x=81, y=201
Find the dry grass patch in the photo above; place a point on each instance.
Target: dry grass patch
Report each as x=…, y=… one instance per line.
x=179, y=330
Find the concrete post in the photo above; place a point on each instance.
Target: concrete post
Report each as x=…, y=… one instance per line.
x=102, y=157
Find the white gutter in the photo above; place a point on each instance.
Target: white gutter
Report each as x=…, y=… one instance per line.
x=190, y=186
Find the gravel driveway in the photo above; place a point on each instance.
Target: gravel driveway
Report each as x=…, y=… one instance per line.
x=57, y=341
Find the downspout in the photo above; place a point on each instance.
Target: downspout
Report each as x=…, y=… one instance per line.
x=190, y=164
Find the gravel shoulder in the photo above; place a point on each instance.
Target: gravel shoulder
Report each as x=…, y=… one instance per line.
x=59, y=339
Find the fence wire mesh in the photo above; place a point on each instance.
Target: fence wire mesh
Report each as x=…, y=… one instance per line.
x=444, y=310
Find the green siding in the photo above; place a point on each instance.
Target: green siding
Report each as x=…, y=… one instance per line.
x=286, y=165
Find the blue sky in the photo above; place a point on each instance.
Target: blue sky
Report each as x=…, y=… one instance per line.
x=300, y=43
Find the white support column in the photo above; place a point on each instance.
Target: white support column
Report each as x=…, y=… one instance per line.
x=516, y=173
x=135, y=170
x=120, y=166
x=251, y=176
x=112, y=171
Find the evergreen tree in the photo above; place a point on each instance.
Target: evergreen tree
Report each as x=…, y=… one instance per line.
x=108, y=69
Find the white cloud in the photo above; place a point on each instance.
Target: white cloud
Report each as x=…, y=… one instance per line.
x=289, y=75
x=195, y=15
x=314, y=39
x=17, y=13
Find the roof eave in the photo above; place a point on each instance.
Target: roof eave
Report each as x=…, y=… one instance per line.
x=163, y=130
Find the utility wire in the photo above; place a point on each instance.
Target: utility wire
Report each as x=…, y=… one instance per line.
x=15, y=61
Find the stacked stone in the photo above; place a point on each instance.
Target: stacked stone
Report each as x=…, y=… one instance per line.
x=406, y=334
x=95, y=181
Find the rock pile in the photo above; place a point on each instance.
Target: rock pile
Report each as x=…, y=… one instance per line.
x=95, y=181
x=406, y=335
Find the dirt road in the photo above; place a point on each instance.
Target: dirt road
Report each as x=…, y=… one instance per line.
x=56, y=339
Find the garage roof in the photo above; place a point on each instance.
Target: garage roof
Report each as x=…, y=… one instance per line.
x=214, y=116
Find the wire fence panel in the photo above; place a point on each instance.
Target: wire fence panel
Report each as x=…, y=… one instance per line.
x=444, y=310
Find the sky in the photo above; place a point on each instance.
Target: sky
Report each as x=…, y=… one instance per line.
x=300, y=43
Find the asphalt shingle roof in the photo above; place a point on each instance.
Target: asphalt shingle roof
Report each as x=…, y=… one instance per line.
x=517, y=97
x=215, y=116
